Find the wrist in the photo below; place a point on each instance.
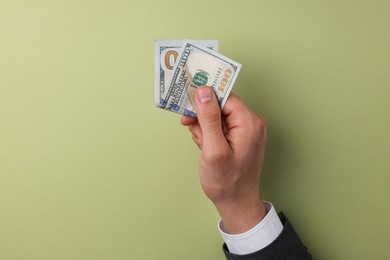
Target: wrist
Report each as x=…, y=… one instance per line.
x=240, y=216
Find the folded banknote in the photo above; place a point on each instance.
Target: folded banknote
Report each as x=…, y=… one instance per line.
x=181, y=70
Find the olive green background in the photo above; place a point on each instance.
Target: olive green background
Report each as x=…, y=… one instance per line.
x=90, y=169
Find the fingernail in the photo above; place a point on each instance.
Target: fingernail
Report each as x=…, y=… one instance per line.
x=204, y=94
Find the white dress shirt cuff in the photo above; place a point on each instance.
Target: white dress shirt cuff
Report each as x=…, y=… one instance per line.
x=257, y=238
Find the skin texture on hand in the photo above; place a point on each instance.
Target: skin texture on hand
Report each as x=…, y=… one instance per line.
x=233, y=146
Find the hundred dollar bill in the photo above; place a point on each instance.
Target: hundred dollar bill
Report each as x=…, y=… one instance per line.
x=166, y=54
x=199, y=66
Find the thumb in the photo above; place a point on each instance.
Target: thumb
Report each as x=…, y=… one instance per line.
x=209, y=118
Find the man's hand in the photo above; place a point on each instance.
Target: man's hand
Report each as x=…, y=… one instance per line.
x=233, y=145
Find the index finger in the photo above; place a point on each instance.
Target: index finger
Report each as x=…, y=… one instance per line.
x=187, y=121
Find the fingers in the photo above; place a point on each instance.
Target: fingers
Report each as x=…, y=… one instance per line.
x=242, y=121
x=194, y=127
x=187, y=121
x=234, y=105
x=209, y=118
x=235, y=109
x=196, y=132
x=237, y=114
x=197, y=142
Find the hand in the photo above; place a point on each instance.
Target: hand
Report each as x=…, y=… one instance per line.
x=233, y=146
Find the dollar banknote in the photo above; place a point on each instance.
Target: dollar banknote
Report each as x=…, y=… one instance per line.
x=166, y=54
x=198, y=66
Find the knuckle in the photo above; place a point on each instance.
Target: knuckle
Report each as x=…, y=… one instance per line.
x=219, y=155
x=260, y=124
x=259, y=128
x=263, y=121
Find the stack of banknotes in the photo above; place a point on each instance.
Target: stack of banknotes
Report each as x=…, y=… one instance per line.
x=181, y=66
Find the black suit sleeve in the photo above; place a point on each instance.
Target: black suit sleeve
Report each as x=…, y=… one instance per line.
x=287, y=246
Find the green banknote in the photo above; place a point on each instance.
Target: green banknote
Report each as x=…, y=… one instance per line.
x=198, y=66
x=166, y=55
